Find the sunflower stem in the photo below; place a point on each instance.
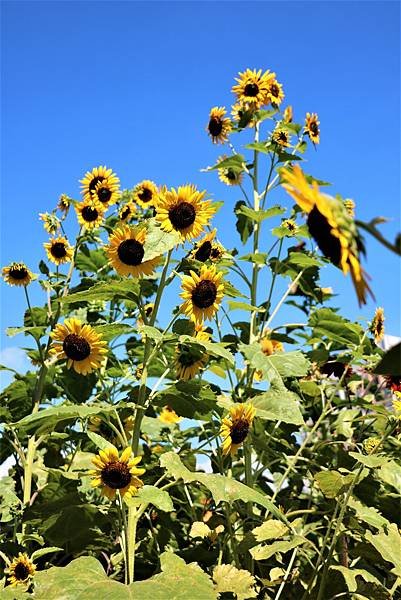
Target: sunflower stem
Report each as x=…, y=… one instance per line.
x=133, y=516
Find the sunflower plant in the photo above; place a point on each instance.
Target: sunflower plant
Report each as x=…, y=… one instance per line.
x=200, y=421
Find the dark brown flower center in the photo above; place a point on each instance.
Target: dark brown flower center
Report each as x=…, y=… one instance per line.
x=94, y=182
x=125, y=212
x=182, y=215
x=251, y=89
x=21, y=571
x=215, y=126
x=58, y=250
x=239, y=431
x=320, y=230
x=18, y=272
x=116, y=475
x=76, y=347
x=204, y=294
x=89, y=214
x=131, y=252
x=314, y=128
x=215, y=253
x=145, y=195
x=189, y=355
x=104, y=194
x=274, y=90
x=203, y=252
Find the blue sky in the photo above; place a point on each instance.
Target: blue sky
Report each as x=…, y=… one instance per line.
x=130, y=85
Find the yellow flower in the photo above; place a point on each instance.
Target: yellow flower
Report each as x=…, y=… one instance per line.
x=184, y=210
x=169, y=416
x=17, y=274
x=253, y=87
x=269, y=346
x=63, y=205
x=397, y=405
x=235, y=427
x=312, y=127
x=281, y=137
x=290, y=225
x=107, y=192
x=370, y=444
x=126, y=211
x=116, y=473
x=206, y=249
x=350, y=206
x=275, y=94
x=287, y=114
x=377, y=325
x=189, y=361
x=51, y=223
x=79, y=344
x=125, y=252
x=20, y=570
x=146, y=194
x=219, y=126
x=228, y=175
x=202, y=294
x=59, y=250
x=244, y=114
x=330, y=225
x=90, y=213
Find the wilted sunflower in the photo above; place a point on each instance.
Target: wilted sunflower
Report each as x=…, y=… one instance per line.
x=235, y=427
x=185, y=211
x=79, y=344
x=126, y=251
x=114, y=473
x=219, y=126
x=146, y=193
x=127, y=211
x=51, y=223
x=281, y=137
x=20, y=570
x=253, y=87
x=377, y=325
x=90, y=213
x=17, y=274
x=202, y=293
x=228, y=175
x=312, y=127
x=275, y=93
x=189, y=360
x=63, y=205
x=169, y=416
x=330, y=226
x=91, y=181
x=287, y=114
x=59, y=250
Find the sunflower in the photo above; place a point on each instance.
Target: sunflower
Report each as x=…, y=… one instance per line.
x=207, y=249
x=59, y=250
x=219, y=126
x=202, y=294
x=63, y=205
x=312, y=127
x=17, y=274
x=253, y=87
x=235, y=427
x=51, y=223
x=229, y=176
x=20, y=570
x=275, y=93
x=189, y=361
x=90, y=213
x=114, y=472
x=290, y=225
x=269, y=346
x=126, y=211
x=281, y=137
x=287, y=114
x=370, y=444
x=126, y=251
x=146, y=193
x=244, y=114
x=377, y=325
x=331, y=227
x=350, y=207
x=169, y=416
x=148, y=310
x=92, y=179
x=106, y=193
x=79, y=344
x=185, y=211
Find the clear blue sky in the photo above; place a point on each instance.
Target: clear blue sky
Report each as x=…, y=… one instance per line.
x=130, y=84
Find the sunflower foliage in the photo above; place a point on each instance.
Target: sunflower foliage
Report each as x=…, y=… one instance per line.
x=199, y=420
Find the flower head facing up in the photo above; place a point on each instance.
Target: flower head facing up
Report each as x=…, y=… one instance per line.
x=58, y=250
x=20, y=570
x=312, y=127
x=126, y=250
x=100, y=184
x=219, y=126
x=253, y=87
x=202, y=293
x=377, y=325
x=235, y=427
x=184, y=210
x=330, y=225
x=115, y=473
x=146, y=194
x=79, y=344
x=17, y=273
x=90, y=214
x=169, y=416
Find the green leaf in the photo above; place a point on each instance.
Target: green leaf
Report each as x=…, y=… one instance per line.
x=99, y=441
x=278, y=404
x=263, y=552
x=159, y=242
x=43, y=551
x=350, y=576
x=371, y=461
x=125, y=289
x=390, y=473
x=390, y=364
x=151, y=332
x=112, y=330
x=326, y=323
x=260, y=215
x=368, y=514
x=90, y=261
x=149, y=494
x=270, y=530
x=287, y=157
x=332, y=483
x=263, y=147
x=43, y=268
x=45, y=420
x=235, y=162
x=388, y=544
x=214, y=349
x=284, y=364
x=233, y=305
x=244, y=224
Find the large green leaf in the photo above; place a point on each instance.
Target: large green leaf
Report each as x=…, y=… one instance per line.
x=388, y=544
x=332, y=483
x=149, y=494
x=260, y=215
x=214, y=349
x=327, y=323
x=45, y=420
x=126, y=289
x=350, y=576
x=390, y=364
x=265, y=551
x=368, y=514
x=278, y=404
x=283, y=364
x=159, y=242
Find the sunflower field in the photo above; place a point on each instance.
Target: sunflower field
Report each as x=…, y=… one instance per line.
x=175, y=437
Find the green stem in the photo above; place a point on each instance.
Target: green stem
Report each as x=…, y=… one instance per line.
x=133, y=516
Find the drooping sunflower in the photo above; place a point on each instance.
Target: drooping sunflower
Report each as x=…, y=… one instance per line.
x=146, y=194
x=51, y=223
x=281, y=137
x=59, y=250
x=235, y=427
x=377, y=325
x=79, y=344
x=63, y=205
x=312, y=127
x=90, y=213
x=287, y=114
x=189, y=360
x=20, y=570
x=253, y=86
x=99, y=175
x=126, y=251
x=127, y=211
x=219, y=126
x=228, y=175
x=169, y=416
x=116, y=473
x=184, y=210
x=17, y=274
x=330, y=226
x=202, y=293
x=275, y=93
